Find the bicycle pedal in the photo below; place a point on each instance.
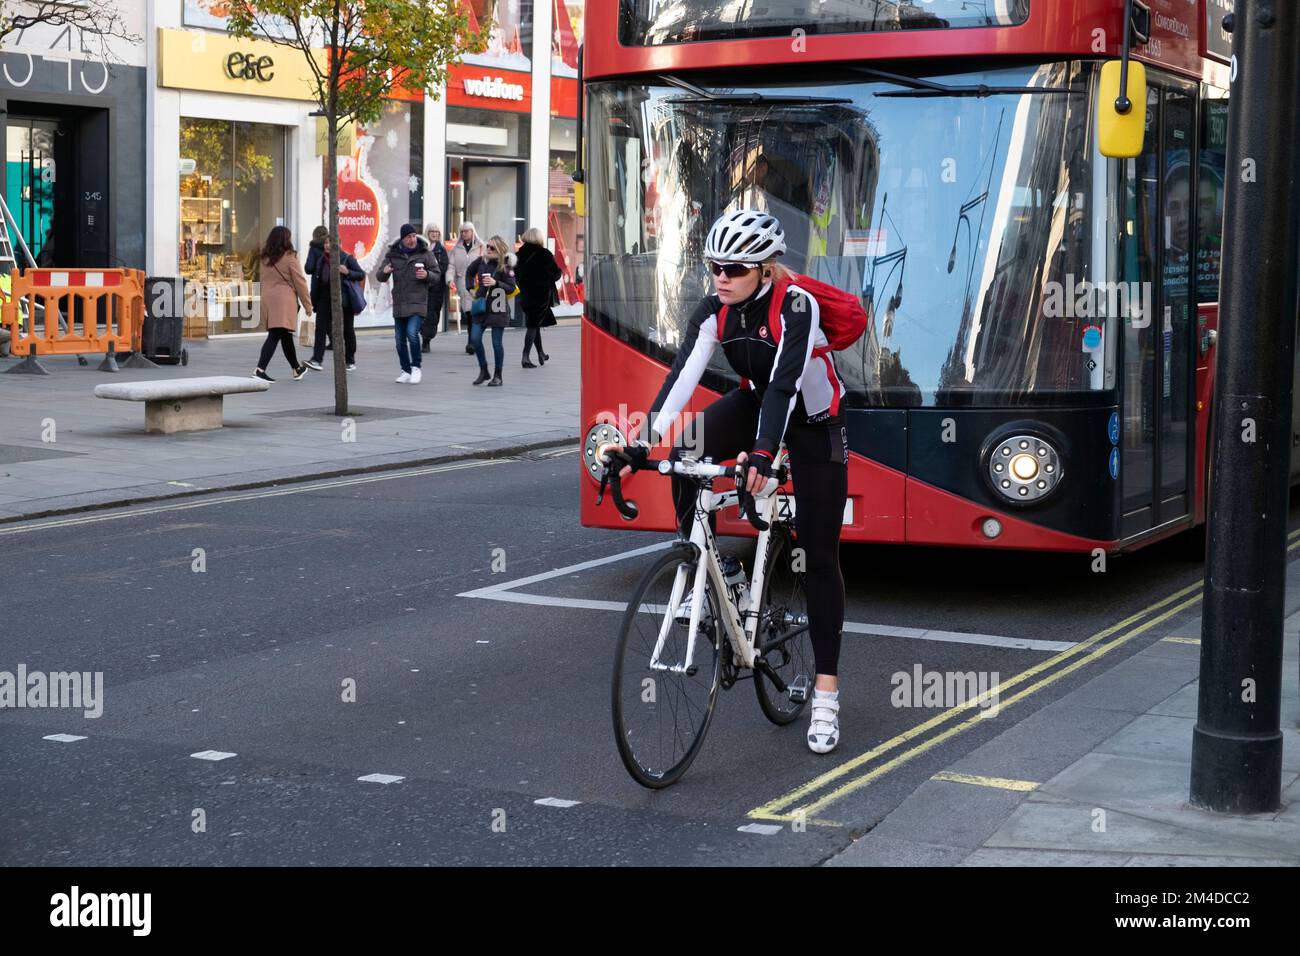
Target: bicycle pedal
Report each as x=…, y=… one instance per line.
x=800, y=690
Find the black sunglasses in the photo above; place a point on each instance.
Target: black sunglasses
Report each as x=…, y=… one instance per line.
x=733, y=270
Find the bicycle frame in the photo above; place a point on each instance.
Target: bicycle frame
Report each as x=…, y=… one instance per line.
x=743, y=634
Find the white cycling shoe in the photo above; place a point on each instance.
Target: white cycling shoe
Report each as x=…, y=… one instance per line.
x=824, y=729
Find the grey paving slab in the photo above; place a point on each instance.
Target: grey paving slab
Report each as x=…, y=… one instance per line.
x=1182, y=703
x=873, y=850
x=1044, y=743
x=1070, y=827
x=988, y=856
x=949, y=814
x=103, y=455
x=1157, y=859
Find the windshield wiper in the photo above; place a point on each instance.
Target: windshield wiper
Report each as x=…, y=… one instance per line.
x=919, y=87
x=701, y=95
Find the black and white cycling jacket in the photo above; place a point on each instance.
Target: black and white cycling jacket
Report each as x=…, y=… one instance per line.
x=784, y=363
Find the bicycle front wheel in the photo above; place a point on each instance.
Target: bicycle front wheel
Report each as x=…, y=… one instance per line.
x=663, y=700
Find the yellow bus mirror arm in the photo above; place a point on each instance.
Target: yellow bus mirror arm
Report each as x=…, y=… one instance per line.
x=579, y=175
x=1121, y=128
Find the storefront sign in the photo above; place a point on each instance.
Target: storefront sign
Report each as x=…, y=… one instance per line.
x=359, y=214
x=489, y=89
x=191, y=60
x=242, y=66
x=347, y=140
x=1174, y=35
x=1218, y=42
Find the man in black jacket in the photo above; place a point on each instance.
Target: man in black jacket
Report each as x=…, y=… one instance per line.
x=413, y=268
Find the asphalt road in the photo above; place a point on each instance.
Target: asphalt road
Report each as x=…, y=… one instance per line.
x=482, y=705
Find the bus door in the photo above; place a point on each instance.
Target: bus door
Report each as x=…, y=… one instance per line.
x=1158, y=401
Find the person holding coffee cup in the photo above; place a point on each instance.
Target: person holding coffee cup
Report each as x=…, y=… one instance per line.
x=413, y=267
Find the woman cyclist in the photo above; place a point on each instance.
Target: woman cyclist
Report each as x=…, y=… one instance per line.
x=786, y=392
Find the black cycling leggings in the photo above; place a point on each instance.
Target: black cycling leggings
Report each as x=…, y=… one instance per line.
x=819, y=467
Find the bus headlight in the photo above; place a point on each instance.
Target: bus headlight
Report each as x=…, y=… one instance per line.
x=1024, y=468
x=601, y=433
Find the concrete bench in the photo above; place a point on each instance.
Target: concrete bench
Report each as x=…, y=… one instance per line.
x=181, y=404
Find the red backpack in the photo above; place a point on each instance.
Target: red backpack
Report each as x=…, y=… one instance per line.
x=840, y=314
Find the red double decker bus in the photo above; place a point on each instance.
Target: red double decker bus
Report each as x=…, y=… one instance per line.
x=1037, y=371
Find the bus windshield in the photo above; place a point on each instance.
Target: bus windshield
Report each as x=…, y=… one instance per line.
x=965, y=223
x=654, y=22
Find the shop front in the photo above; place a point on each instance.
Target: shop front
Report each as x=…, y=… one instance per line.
x=565, y=225
x=230, y=198
x=244, y=145
x=488, y=137
x=72, y=123
x=381, y=187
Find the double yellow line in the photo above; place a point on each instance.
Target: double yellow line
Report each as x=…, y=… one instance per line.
x=805, y=802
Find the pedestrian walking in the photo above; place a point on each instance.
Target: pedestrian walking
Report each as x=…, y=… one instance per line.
x=284, y=287
x=412, y=267
x=536, y=273
x=437, y=290
x=314, y=248
x=354, y=301
x=492, y=277
x=468, y=248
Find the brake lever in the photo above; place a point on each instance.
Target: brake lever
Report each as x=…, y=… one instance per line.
x=610, y=479
x=748, y=506
x=627, y=509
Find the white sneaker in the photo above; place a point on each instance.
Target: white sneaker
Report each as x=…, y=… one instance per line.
x=415, y=376
x=404, y=378
x=824, y=729
x=683, y=615
x=352, y=367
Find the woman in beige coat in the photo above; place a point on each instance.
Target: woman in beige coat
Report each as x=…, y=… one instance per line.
x=284, y=286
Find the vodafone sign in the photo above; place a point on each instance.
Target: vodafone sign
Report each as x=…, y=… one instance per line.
x=485, y=88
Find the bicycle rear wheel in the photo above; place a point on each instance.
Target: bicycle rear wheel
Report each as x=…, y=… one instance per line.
x=784, y=608
x=660, y=714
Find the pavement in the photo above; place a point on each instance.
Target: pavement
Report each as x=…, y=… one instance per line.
x=1100, y=777
x=62, y=449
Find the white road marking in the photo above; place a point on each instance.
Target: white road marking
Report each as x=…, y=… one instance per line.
x=556, y=802
x=492, y=589
x=505, y=591
x=762, y=829
x=63, y=738
x=956, y=637
x=298, y=489
x=212, y=755
x=380, y=778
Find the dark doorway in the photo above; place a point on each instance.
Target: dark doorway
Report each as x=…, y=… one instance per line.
x=57, y=182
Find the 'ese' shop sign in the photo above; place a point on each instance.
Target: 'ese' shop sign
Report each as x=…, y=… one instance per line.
x=199, y=60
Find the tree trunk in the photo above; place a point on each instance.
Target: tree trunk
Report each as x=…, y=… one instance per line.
x=336, y=284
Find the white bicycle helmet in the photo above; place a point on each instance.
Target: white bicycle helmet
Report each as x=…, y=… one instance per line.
x=745, y=236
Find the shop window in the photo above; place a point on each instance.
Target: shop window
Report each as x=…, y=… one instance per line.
x=565, y=229
x=230, y=198
x=1209, y=200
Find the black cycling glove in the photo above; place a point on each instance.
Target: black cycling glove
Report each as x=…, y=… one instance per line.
x=761, y=462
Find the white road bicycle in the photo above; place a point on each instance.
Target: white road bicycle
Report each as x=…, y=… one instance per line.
x=691, y=629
